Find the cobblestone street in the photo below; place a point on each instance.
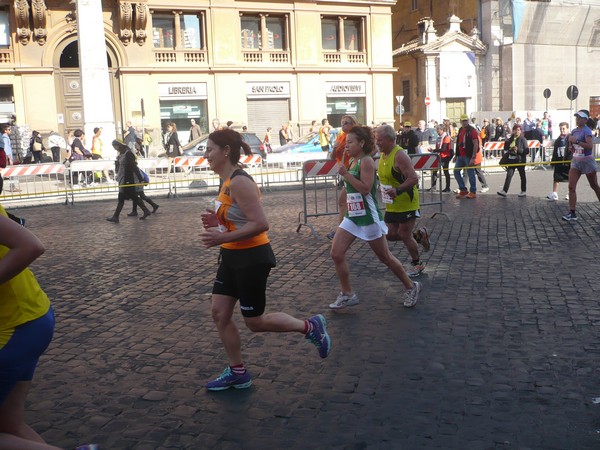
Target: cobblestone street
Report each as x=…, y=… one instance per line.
x=501, y=352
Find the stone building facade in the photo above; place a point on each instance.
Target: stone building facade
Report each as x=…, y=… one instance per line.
x=256, y=63
x=532, y=48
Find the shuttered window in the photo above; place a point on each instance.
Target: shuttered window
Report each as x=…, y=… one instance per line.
x=264, y=113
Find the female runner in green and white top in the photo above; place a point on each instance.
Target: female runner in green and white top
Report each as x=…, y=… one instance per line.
x=364, y=220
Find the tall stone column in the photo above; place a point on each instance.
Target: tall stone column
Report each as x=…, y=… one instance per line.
x=95, y=82
x=431, y=90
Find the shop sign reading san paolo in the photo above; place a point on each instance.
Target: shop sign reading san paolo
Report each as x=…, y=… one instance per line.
x=279, y=89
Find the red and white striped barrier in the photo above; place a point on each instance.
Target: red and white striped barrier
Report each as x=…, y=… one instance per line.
x=534, y=144
x=253, y=160
x=32, y=169
x=494, y=145
x=425, y=162
x=201, y=161
x=320, y=168
x=190, y=161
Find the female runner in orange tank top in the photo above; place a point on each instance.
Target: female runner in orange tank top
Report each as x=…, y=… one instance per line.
x=239, y=226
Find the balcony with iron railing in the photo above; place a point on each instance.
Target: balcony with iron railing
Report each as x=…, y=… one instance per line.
x=352, y=58
x=186, y=56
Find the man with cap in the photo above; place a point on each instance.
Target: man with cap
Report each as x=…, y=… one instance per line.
x=582, y=162
x=409, y=140
x=468, y=144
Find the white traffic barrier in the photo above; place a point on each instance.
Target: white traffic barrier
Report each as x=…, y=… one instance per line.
x=424, y=163
x=87, y=177
x=157, y=169
x=34, y=181
x=493, y=151
x=321, y=176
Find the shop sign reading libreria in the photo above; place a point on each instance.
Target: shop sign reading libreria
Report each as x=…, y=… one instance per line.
x=184, y=91
x=346, y=88
x=280, y=89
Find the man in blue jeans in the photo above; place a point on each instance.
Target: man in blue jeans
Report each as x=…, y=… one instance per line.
x=129, y=136
x=467, y=147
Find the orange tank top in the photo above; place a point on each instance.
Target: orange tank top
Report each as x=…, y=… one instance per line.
x=340, y=150
x=231, y=217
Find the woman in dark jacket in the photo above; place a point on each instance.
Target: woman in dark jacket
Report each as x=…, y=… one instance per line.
x=172, y=144
x=515, y=154
x=127, y=176
x=499, y=130
x=36, y=147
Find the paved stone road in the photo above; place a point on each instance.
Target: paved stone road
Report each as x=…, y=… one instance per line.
x=500, y=353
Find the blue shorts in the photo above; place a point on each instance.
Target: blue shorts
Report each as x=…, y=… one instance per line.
x=20, y=355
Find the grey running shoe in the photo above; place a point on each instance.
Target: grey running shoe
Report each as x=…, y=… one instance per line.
x=344, y=300
x=411, y=296
x=418, y=269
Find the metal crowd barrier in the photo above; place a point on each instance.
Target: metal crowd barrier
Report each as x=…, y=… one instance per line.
x=320, y=178
x=286, y=168
x=193, y=172
x=185, y=171
x=492, y=153
x=427, y=162
x=46, y=180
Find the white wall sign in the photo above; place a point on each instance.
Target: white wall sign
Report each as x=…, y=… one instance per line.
x=457, y=75
x=184, y=91
x=346, y=88
x=279, y=89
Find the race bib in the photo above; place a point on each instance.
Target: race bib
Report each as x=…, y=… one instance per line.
x=221, y=227
x=577, y=149
x=356, y=205
x=385, y=198
x=560, y=152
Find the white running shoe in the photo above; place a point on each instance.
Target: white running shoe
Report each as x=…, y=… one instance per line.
x=484, y=189
x=522, y=194
x=552, y=196
x=344, y=300
x=501, y=193
x=411, y=296
x=567, y=197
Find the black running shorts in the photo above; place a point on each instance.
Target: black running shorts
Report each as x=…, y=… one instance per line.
x=243, y=275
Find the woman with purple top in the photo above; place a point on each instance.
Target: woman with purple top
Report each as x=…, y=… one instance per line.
x=582, y=162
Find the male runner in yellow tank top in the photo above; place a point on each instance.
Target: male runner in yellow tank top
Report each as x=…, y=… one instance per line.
x=400, y=195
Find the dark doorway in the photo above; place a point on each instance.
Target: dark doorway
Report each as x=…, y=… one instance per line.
x=69, y=58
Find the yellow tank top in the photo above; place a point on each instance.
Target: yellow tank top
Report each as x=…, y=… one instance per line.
x=21, y=299
x=232, y=218
x=97, y=147
x=388, y=176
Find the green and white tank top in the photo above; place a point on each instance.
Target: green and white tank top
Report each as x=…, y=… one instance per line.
x=362, y=209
